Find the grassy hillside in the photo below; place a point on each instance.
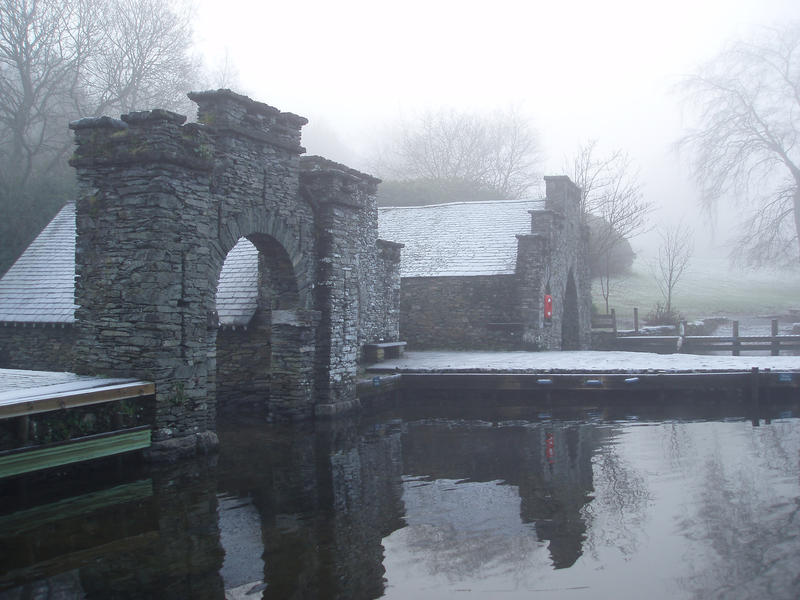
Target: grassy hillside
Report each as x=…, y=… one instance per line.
x=709, y=288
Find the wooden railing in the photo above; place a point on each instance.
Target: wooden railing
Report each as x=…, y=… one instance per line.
x=695, y=344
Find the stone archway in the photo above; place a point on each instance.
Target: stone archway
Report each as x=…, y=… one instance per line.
x=253, y=355
x=161, y=205
x=570, y=323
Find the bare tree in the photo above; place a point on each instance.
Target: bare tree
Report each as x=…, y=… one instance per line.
x=674, y=255
x=612, y=193
x=60, y=60
x=496, y=152
x=42, y=50
x=747, y=145
x=224, y=75
x=142, y=58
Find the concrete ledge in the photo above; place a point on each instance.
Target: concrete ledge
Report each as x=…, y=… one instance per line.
x=327, y=411
x=174, y=449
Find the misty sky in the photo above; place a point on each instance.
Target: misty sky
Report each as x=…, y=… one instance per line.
x=580, y=70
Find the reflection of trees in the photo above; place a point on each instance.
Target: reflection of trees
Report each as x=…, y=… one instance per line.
x=616, y=515
x=747, y=527
x=463, y=529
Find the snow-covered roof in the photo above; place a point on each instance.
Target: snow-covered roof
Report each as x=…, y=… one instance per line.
x=237, y=292
x=459, y=238
x=40, y=286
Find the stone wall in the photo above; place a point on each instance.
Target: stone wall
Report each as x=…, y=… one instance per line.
x=162, y=203
x=244, y=366
x=40, y=348
x=507, y=311
x=380, y=315
x=356, y=276
x=460, y=312
x=553, y=260
x=143, y=220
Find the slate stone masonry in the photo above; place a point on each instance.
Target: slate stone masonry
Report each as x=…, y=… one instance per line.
x=162, y=203
x=506, y=311
x=39, y=348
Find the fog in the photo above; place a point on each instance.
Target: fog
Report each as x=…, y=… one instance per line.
x=580, y=70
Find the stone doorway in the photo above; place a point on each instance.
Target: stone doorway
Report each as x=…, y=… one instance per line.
x=265, y=344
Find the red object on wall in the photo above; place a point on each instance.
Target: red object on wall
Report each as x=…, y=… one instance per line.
x=548, y=307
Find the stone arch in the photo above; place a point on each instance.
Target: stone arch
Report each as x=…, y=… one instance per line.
x=161, y=205
x=275, y=236
x=266, y=363
x=570, y=323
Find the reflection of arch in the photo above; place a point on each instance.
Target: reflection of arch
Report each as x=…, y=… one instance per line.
x=570, y=326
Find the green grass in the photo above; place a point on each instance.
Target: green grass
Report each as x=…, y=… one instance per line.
x=709, y=288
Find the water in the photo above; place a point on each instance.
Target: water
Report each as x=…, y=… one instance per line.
x=591, y=505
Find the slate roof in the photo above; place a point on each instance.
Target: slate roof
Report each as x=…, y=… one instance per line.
x=459, y=238
x=40, y=286
x=237, y=291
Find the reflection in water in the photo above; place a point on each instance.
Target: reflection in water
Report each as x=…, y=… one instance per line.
x=426, y=508
x=155, y=537
x=617, y=515
x=748, y=515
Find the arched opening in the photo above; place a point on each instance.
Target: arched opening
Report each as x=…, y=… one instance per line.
x=257, y=289
x=570, y=324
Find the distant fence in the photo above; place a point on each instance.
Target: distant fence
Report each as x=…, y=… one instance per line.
x=693, y=344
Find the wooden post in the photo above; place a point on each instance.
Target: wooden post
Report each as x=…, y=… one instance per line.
x=754, y=400
x=736, y=342
x=776, y=347
x=681, y=344
x=23, y=429
x=614, y=320
x=635, y=320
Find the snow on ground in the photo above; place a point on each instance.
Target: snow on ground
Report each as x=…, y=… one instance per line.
x=583, y=361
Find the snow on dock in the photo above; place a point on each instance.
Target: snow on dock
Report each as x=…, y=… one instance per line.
x=29, y=392
x=579, y=362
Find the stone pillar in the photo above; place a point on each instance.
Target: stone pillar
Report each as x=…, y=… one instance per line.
x=562, y=196
x=143, y=266
x=532, y=271
x=385, y=301
x=344, y=205
x=292, y=372
x=545, y=267
x=571, y=251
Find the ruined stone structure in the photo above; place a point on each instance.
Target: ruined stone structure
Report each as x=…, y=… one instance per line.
x=161, y=205
x=475, y=274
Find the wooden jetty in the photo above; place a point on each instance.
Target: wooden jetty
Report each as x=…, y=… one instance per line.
x=581, y=371
x=24, y=394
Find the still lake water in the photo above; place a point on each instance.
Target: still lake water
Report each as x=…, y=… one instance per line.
x=590, y=505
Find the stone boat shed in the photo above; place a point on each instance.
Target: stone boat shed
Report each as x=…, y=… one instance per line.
x=207, y=257
x=475, y=274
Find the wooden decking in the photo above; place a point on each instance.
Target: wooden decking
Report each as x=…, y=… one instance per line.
x=27, y=393
x=30, y=392
x=589, y=370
